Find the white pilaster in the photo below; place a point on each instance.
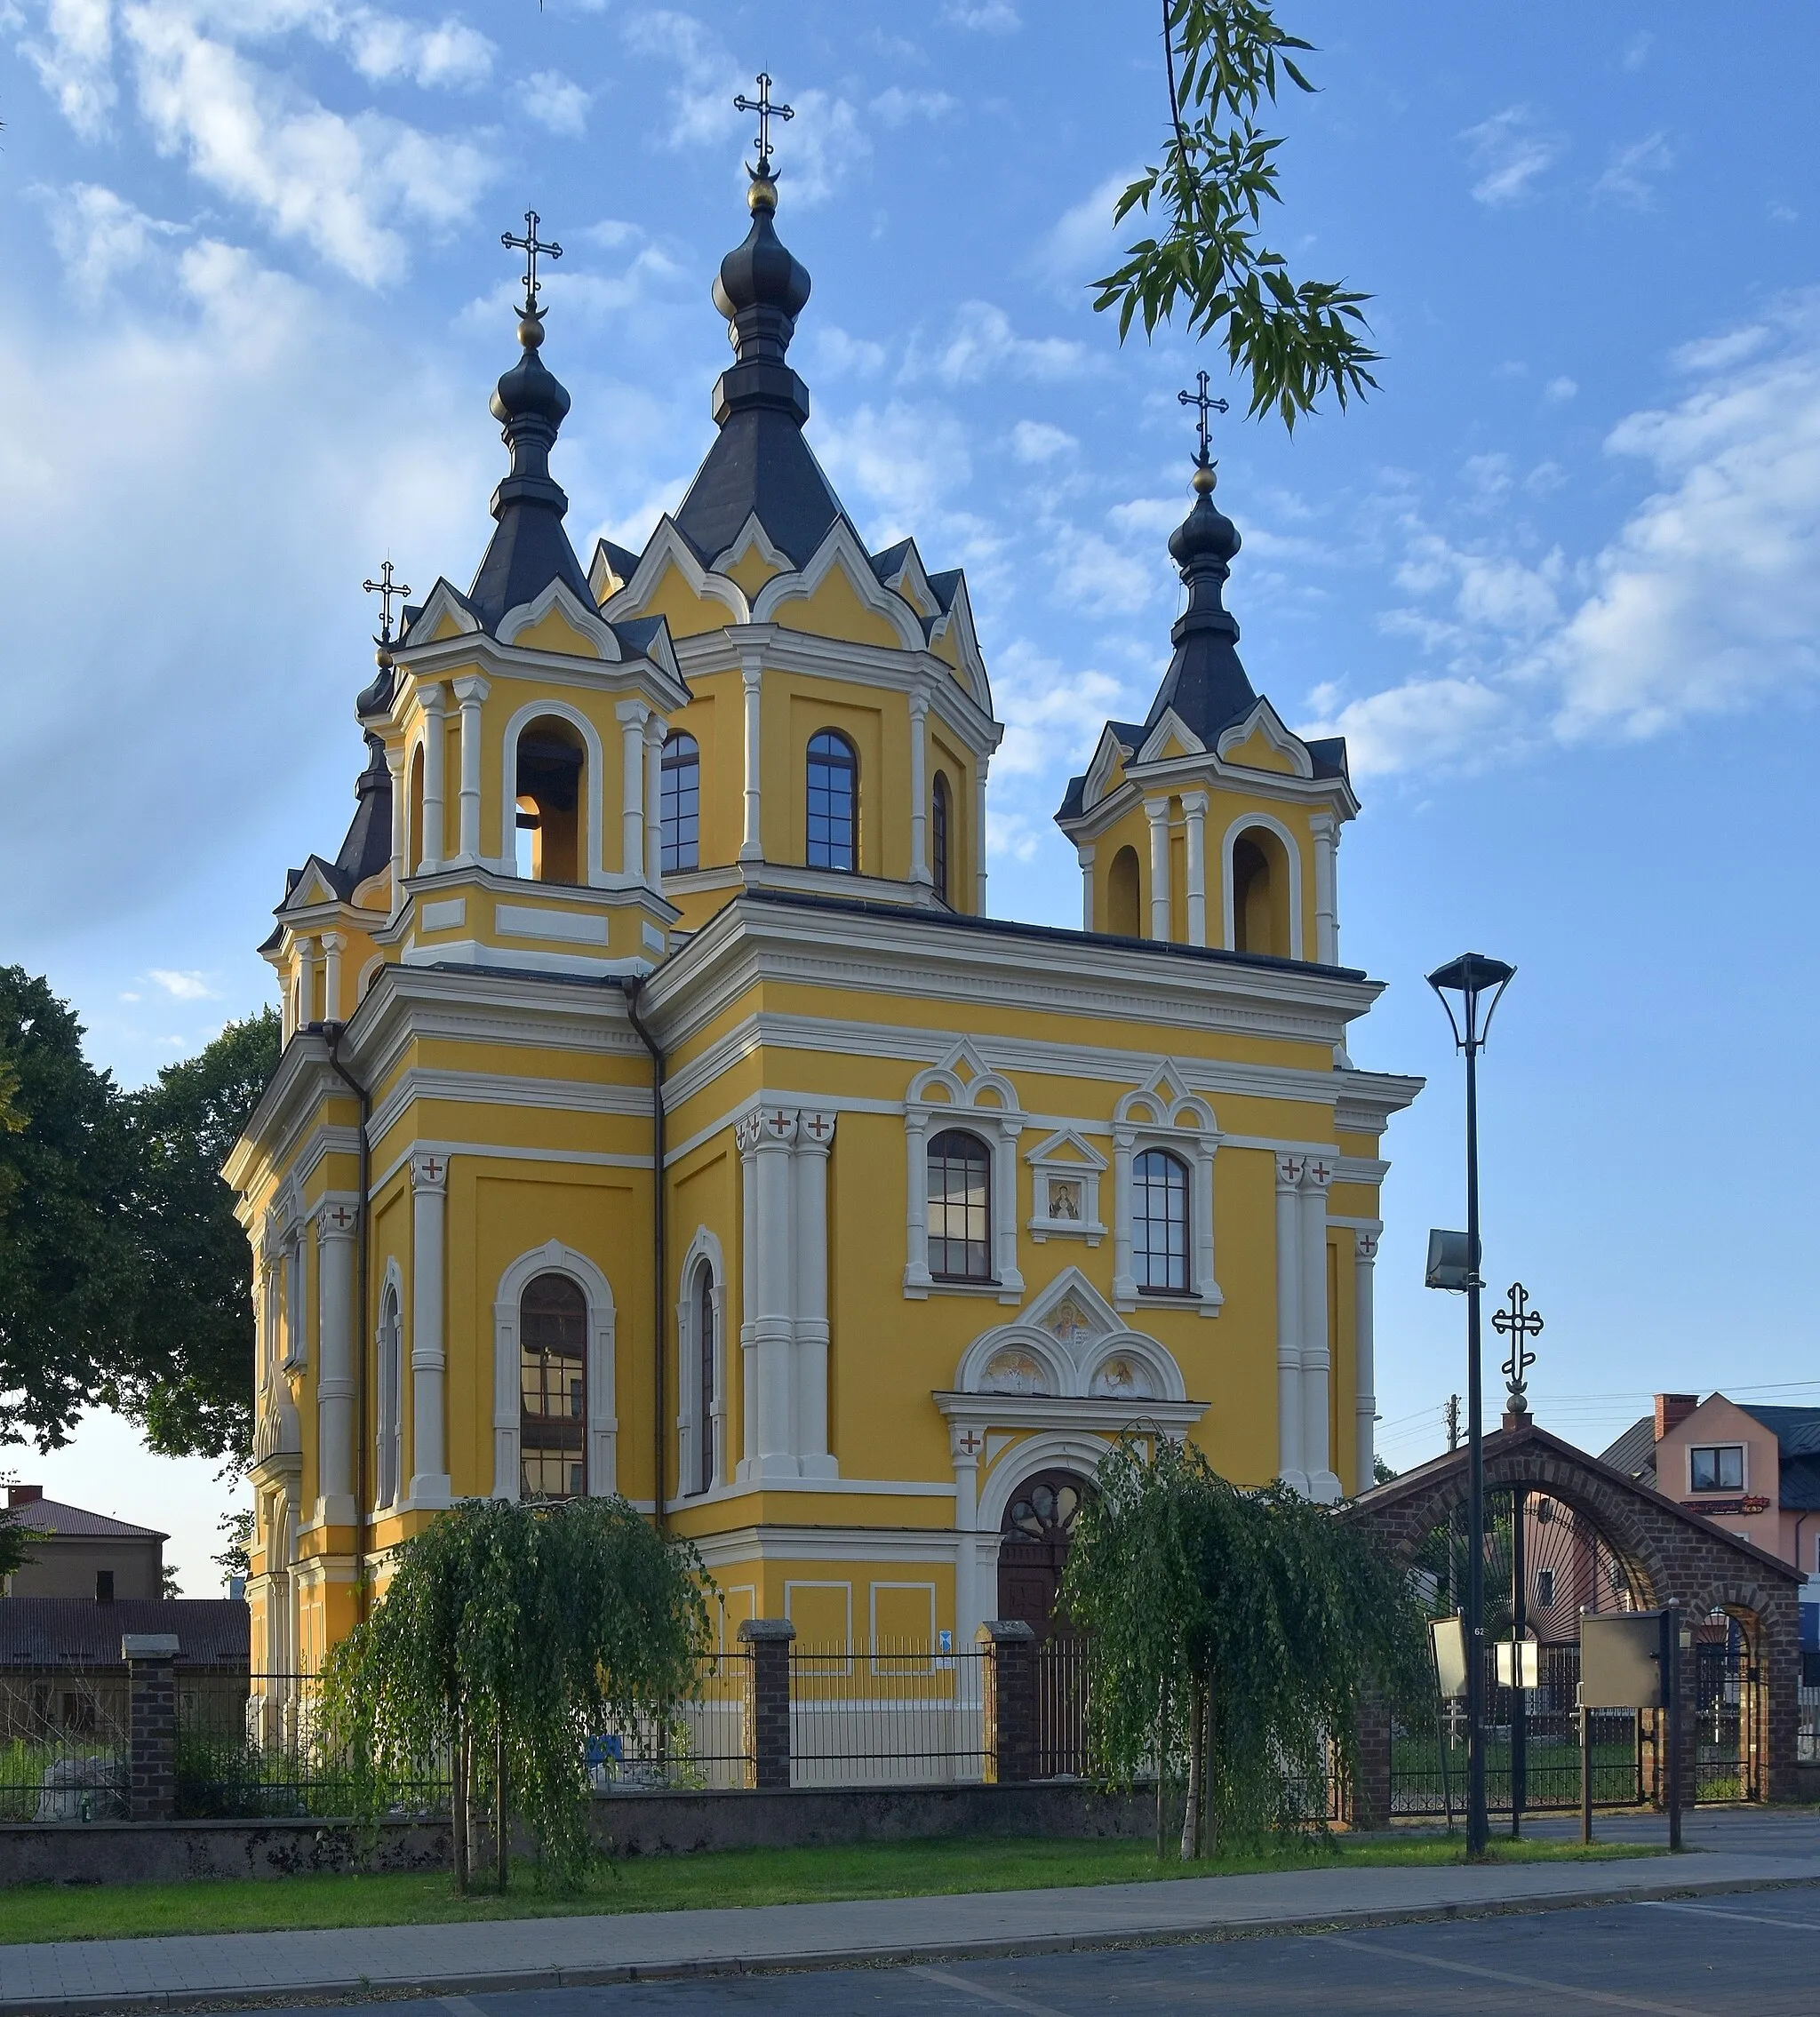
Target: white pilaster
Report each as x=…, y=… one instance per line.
x=1291, y=1468
x=307, y=975
x=966, y=1446
x=979, y=838
x=1326, y=831
x=332, y=945
x=920, y=872
x=632, y=715
x=655, y=730
x=395, y=766
x=1084, y=855
x=815, y=1137
x=1124, y=1282
x=1317, y=1355
x=469, y=691
x=767, y=1336
x=1195, y=808
x=433, y=741
x=916, y=1275
x=1005, y=1213
x=336, y=1218
x=429, y=1201
x=751, y=674
x=1364, y=1353
x=1157, y=812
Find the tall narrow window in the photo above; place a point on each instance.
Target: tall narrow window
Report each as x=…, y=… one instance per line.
x=704, y=1344
x=1160, y=1222
x=833, y=802
x=682, y=803
x=939, y=835
x=387, y=1466
x=551, y=765
x=552, y=1388
x=960, y=1209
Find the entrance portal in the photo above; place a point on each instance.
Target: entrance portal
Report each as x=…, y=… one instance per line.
x=1038, y=1529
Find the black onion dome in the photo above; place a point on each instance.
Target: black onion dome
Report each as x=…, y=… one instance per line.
x=1207, y=533
x=1206, y=684
x=761, y=289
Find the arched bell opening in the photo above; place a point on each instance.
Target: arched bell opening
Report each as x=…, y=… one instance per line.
x=1260, y=893
x=551, y=765
x=1123, y=896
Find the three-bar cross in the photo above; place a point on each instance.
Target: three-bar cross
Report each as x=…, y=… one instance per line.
x=385, y=588
x=1519, y=1323
x=766, y=112
x=1207, y=404
x=530, y=245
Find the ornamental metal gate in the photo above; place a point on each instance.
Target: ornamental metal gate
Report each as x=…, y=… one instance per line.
x=1728, y=1715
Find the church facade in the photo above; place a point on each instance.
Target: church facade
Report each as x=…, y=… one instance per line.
x=662, y=1112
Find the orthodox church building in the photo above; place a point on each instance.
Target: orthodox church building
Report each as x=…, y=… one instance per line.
x=663, y=1113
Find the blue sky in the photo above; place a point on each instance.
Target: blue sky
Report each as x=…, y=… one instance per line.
x=1559, y=581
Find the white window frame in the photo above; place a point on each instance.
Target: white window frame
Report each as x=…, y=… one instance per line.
x=961, y=1092
x=599, y=1443
x=389, y=1363
x=704, y=1252
x=1083, y=1164
x=1161, y=1113
x=1719, y=1449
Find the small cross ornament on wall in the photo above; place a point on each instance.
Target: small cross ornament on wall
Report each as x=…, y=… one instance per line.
x=766, y=112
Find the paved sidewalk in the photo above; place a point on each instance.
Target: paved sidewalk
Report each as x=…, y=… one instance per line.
x=473, y=1958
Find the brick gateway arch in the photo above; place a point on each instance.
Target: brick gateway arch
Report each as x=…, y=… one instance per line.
x=1668, y=1554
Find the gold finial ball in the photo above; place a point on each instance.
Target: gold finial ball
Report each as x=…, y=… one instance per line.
x=763, y=194
x=383, y=658
x=1203, y=479
x=531, y=328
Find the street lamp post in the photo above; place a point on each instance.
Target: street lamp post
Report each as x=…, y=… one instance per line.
x=1479, y=983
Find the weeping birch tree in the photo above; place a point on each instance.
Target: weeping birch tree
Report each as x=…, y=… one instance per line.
x=508, y=1636
x=1234, y=1635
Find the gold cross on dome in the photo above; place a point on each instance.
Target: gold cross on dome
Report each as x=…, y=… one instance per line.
x=1200, y=399
x=530, y=245
x=385, y=588
x=766, y=112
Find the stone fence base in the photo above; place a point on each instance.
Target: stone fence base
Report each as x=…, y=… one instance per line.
x=624, y=1824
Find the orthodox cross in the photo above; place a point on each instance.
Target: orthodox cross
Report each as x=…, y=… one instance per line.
x=530, y=245
x=1206, y=404
x=385, y=588
x=1519, y=1323
x=766, y=112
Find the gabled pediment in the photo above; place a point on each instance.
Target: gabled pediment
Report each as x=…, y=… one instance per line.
x=445, y=614
x=1165, y=1100
x=953, y=632
x=609, y=569
x=963, y=1079
x=901, y=570
x=1066, y=1148
x=558, y=620
x=1171, y=737
x=1261, y=742
x=839, y=558
x=1107, y=772
x=752, y=558
x=668, y=553
x=312, y=888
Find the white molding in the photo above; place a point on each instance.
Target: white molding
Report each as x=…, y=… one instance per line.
x=1071, y=1335
x=704, y=1250
x=1170, y=724
x=1264, y=720
x=548, y=707
x=534, y=920
x=553, y=1257
x=557, y=595
x=752, y=538
x=665, y=548
x=840, y=548
x=980, y=1101
x=1162, y=1113
x=1084, y=1166
x=1242, y=824
x=499, y=1088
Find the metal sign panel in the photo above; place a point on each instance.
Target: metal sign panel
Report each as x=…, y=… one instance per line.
x=1620, y=1659
x=1448, y=1636
x=1532, y=1664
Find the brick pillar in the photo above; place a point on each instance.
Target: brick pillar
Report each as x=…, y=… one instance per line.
x=151, y=1691
x=1778, y=1650
x=1009, y=1693
x=767, y=1701
x=1367, y=1798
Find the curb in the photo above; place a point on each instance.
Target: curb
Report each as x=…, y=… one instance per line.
x=361, y=1989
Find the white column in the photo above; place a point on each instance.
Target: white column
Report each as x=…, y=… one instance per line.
x=1157, y=812
x=655, y=730
x=979, y=837
x=752, y=841
x=433, y=752
x=632, y=715
x=1317, y=1355
x=332, y=943
x=965, y=1445
x=815, y=1137
x=767, y=1337
x=429, y=1202
x=1326, y=831
x=1084, y=855
x=1194, y=806
x=335, y=1220
x=469, y=691
x=1290, y=1467
x=1364, y=1355
x=401, y=813
x=916, y=1277
x=1005, y=1213
x=306, y=974
x=920, y=872
x=1124, y=1282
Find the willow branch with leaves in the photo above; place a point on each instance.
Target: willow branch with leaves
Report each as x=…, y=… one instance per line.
x=1298, y=339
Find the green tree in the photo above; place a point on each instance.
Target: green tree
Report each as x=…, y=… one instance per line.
x=1233, y=1636
x=509, y=1634
x=1225, y=60
x=187, y=1373
x=15, y=1544
x=67, y=1272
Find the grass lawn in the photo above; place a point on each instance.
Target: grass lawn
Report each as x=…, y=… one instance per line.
x=661, y=1884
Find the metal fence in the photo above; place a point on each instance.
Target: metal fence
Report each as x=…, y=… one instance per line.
x=701, y=1748
x=63, y=1744
x=1808, y=1726
x=886, y=1715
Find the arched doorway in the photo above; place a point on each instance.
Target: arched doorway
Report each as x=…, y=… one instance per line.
x=1037, y=1531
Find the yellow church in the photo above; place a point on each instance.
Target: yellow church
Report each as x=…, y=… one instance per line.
x=662, y=1110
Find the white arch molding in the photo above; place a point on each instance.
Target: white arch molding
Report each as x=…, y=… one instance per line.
x=1292, y=853
x=549, y=709
x=704, y=1251
x=602, y=1425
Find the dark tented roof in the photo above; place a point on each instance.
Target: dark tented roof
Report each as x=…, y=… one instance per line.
x=72, y=1631
x=759, y=463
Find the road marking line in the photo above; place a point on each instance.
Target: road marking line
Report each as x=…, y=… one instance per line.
x=1717, y=1912
x=459, y=2006
x=998, y=1996
x=1520, y=1981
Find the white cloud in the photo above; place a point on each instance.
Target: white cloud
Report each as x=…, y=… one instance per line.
x=1052, y=717
x=897, y=107
x=74, y=61
x=1040, y=441
x=983, y=342
x=1720, y=353
x=1508, y=151
x=1636, y=51
x=709, y=80
x=823, y=148
x=1557, y=392
x=1100, y=577
x=834, y=353
x=554, y=101
x=98, y=235
x=908, y=460
x=988, y=17
x=1628, y=175
x=1083, y=243
x=183, y=986
x=381, y=47
x=1421, y=724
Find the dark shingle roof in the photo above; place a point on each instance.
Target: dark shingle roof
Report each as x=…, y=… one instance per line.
x=759, y=464
x=51, y=1515
x=57, y=1631
x=1796, y=1430
x=1634, y=1451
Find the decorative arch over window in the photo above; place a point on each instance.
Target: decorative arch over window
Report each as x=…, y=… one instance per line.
x=681, y=800
x=1262, y=873
x=1159, y=1187
x=961, y=1097
x=546, y=1326
x=959, y=1171
x=1162, y=1115
x=389, y=1452
x=833, y=802
x=1124, y=896
x=701, y=1362
x=550, y=823
x=941, y=834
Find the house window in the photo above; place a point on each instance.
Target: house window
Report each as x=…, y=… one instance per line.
x=1160, y=1222
x=680, y=773
x=552, y=1388
x=1716, y=1467
x=1545, y=1588
x=704, y=1342
x=938, y=840
x=834, y=798
x=960, y=1212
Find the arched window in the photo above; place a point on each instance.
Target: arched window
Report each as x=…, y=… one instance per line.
x=1160, y=1222
x=552, y=1388
x=960, y=1208
x=413, y=814
x=548, y=792
x=940, y=821
x=705, y=1354
x=1260, y=893
x=833, y=802
x=681, y=802
x=389, y=1452
x=1123, y=898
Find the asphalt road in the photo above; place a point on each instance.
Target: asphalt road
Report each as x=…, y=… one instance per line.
x=1754, y=1952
